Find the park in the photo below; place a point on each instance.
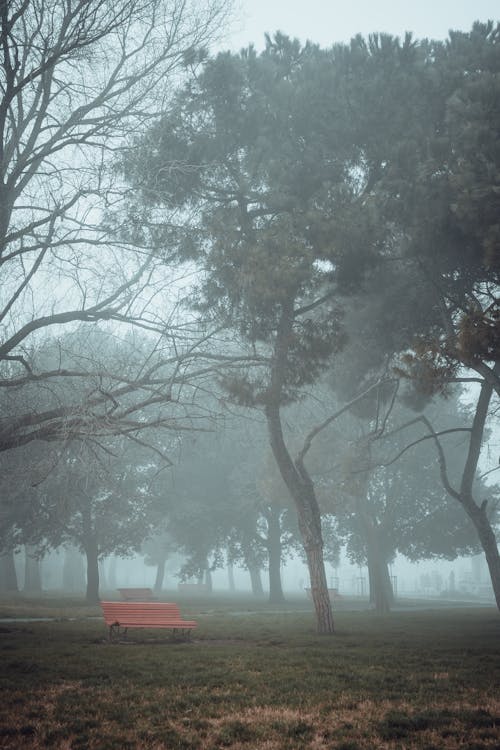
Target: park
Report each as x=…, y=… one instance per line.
x=249, y=333
x=251, y=676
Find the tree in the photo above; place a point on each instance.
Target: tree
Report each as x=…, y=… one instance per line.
x=8, y=575
x=279, y=536
x=77, y=77
x=157, y=550
x=309, y=174
x=271, y=198
x=95, y=502
x=403, y=507
x=438, y=192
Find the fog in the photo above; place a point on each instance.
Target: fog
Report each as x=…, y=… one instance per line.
x=464, y=579
x=329, y=22
x=267, y=358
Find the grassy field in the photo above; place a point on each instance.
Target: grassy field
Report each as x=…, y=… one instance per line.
x=252, y=677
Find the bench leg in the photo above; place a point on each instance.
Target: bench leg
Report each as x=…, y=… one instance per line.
x=114, y=631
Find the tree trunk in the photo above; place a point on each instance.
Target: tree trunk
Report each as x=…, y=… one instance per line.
x=255, y=579
x=295, y=475
x=230, y=577
x=112, y=572
x=205, y=577
x=32, y=576
x=319, y=588
x=103, y=582
x=92, y=553
x=381, y=594
x=160, y=574
x=8, y=575
x=479, y=518
x=92, y=593
x=301, y=489
x=477, y=513
x=208, y=580
x=73, y=570
x=272, y=515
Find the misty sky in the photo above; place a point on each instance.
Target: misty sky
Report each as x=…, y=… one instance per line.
x=329, y=21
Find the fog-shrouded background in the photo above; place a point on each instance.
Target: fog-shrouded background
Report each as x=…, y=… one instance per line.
x=105, y=455
x=328, y=21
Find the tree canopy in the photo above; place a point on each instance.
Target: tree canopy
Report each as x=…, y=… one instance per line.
x=311, y=177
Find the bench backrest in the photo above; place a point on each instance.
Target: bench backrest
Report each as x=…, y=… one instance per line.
x=139, y=612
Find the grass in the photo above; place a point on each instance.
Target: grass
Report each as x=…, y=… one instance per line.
x=252, y=677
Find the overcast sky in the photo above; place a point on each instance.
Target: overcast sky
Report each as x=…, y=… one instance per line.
x=329, y=21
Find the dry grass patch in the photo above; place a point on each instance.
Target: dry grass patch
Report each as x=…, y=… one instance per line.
x=147, y=725
x=423, y=682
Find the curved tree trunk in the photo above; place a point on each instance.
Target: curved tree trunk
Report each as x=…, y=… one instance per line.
x=479, y=518
x=319, y=588
x=302, y=492
x=296, y=477
x=477, y=513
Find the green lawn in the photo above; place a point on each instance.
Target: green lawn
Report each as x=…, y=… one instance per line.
x=263, y=679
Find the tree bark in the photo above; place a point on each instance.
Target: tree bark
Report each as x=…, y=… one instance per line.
x=319, y=589
x=381, y=594
x=479, y=518
x=296, y=477
x=301, y=490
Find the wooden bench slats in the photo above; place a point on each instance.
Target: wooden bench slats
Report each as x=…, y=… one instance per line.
x=144, y=615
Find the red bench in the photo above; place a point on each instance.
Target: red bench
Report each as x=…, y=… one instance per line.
x=137, y=595
x=119, y=616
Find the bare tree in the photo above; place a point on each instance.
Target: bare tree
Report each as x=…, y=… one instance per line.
x=77, y=78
